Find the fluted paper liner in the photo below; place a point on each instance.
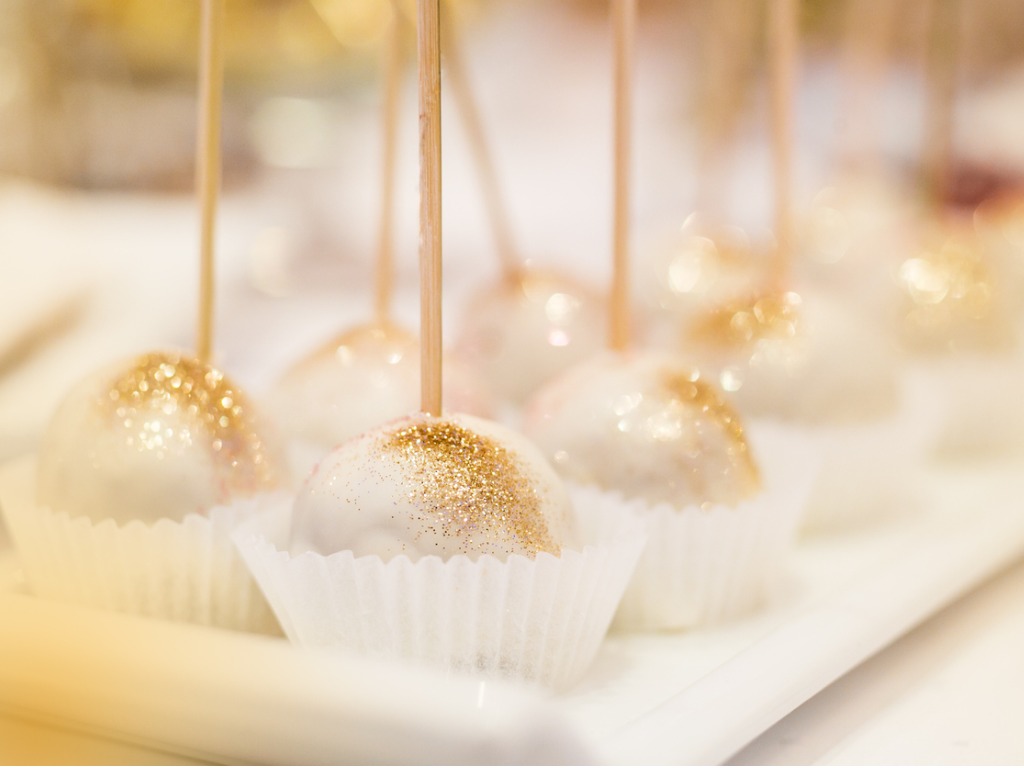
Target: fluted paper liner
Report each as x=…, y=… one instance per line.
x=868, y=470
x=181, y=571
x=982, y=410
x=704, y=565
x=539, y=619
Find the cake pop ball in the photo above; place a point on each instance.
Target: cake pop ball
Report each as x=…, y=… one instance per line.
x=161, y=437
x=999, y=223
x=855, y=223
x=779, y=355
x=364, y=377
x=524, y=330
x=424, y=485
x=951, y=302
x=698, y=265
x=850, y=239
x=647, y=427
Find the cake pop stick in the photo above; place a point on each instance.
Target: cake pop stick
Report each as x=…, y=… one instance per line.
x=211, y=87
x=370, y=373
x=864, y=57
x=727, y=51
x=429, y=69
x=142, y=463
x=623, y=30
x=941, y=23
x=783, y=22
x=494, y=203
x=385, y=229
x=532, y=323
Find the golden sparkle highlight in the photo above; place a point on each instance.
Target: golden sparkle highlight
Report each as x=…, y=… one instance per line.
x=950, y=297
x=165, y=401
x=467, y=482
x=744, y=323
x=711, y=413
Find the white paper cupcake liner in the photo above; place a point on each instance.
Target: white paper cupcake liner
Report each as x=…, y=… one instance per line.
x=181, y=571
x=539, y=619
x=705, y=565
x=982, y=408
x=868, y=471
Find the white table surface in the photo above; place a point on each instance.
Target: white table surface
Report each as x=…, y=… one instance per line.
x=950, y=692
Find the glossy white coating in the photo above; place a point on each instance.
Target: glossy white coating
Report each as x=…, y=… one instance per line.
x=437, y=498
x=519, y=334
x=834, y=367
x=365, y=377
x=646, y=426
x=163, y=449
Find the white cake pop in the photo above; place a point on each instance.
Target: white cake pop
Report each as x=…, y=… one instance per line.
x=524, y=330
x=950, y=298
x=852, y=236
x=698, y=266
x=999, y=222
x=160, y=437
x=445, y=486
x=781, y=356
x=366, y=376
x=646, y=426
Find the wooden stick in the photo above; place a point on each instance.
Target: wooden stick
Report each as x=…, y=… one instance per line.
x=623, y=31
x=727, y=43
x=941, y=22
x=211, y=88
x=867, y=33
x=783, y=23
x=429, y=46
x=386, y=229
x=483, y=158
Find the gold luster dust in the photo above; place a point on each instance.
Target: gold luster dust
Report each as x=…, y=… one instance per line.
x=466, y=482
x=951, y=298
x=204, y=402
x=743, y=323
x=690, y=391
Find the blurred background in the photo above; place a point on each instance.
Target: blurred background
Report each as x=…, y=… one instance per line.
x=99, y=228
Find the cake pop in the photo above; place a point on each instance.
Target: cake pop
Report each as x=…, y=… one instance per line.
x=440, y=537
x=950, y=299
x=707, y=260
x=956, y=313
x=660, y=438
x=647, y=427
x=810, y=365
x=142, y=462
x=531, y=323
x=959, y=334
x=367, y=374
x=808, y=361
x=441, y=486
x=999, y=222
x=700, y=265
x=524, y=329
x=163, y=436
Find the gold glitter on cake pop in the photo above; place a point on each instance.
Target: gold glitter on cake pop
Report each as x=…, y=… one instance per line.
x=467, y=482
x=166, y=401
x=951, y=297
x=707, y=411
x=742, y=324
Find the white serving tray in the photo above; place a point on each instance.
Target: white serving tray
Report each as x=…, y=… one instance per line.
x=694, y=697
